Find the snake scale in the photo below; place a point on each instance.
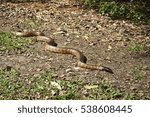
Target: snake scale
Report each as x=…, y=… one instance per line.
x=51, y=45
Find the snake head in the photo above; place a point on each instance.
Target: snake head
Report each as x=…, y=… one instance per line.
x=107, y=69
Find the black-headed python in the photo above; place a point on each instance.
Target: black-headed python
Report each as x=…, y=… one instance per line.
x=52, y=46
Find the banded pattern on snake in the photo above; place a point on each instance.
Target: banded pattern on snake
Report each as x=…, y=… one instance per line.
x=52, y=46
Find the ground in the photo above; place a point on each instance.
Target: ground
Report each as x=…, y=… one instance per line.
x=121, y=45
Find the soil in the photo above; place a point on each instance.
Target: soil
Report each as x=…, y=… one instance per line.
x=101, y=39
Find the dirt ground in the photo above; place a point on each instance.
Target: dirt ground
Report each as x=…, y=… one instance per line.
x=102, y=40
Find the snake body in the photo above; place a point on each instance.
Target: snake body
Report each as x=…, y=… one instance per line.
x=52, y=46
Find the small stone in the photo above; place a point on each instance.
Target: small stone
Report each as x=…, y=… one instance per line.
x=55, y=75
x=86, y=37
x=38, y=69
x=140, y=93
x=145, y=67
x=133, y=88
x=68, y=70
x=50, y=59
x=90, y=86
x=109, y=47
x=53, y=92
x=35, y=59
x=61, y=76
x=103, y=40
x=121, y=31
x=108, y=58
x=77, y=68
x=56, y=85
x=66, y=43
x=92, y=44
x=86, y=73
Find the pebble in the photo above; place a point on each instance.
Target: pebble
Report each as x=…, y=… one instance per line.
x=68, y=70
x=109, y=47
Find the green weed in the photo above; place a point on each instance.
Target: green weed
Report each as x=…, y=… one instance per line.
x=10, y=41
x=10, y=86
x=119, y=9
x=46, y=86
x=32, y=23
x=139, y=73
x=137, y=47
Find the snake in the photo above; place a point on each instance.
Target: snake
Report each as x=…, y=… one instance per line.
x=51, y=46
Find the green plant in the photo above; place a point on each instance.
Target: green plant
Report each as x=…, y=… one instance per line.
x=46, y=86
x=10, y=86
x=136, y=47
x=139, y=73
x=120, y=9
x=10, y=41
x=32, y=23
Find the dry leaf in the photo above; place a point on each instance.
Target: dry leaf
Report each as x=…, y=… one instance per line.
x=90, y=86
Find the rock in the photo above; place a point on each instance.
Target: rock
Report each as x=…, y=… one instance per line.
x=109, y=48
x=68, y=70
